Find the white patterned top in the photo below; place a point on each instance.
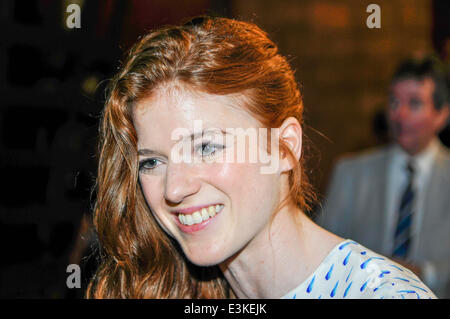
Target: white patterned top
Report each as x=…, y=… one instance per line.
x=351, y=270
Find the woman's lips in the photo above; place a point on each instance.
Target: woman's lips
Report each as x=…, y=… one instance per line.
x=193, y=209
x=197, y=219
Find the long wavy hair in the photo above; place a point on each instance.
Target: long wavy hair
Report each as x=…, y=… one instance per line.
x=213, y=55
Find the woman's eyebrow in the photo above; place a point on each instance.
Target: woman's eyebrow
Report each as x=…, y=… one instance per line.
x=194, y=136
x=148, y=152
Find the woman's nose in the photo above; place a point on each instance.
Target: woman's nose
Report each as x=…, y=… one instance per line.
x=181, y=182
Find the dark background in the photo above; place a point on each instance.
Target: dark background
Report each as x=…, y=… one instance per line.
x=52, y=82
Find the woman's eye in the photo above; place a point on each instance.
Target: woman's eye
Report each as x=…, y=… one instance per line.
x=207, y=149
x=148, y=164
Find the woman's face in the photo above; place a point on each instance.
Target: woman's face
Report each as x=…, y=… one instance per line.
x=237, y=198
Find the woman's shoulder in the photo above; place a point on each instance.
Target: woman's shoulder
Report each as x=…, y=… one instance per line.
x=376, y=276
x=352, y=271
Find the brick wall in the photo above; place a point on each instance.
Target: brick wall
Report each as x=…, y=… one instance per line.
x=343, y=65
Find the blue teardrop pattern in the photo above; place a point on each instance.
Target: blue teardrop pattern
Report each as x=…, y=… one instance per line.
x=333, y=292
x=349, y=274
x=383, y=283
x=328, y=275
x=409, y=292
x=347, y=289
x=363, y=286
x=364, y=264
x=398, y=268
x=411, y=278
x=399, y=278
x=347, y=243
x=346, y=258
x=311, y=284
x=352, y=264
x=419, y=288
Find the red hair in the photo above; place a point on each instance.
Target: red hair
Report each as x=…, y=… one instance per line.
x=213, y=55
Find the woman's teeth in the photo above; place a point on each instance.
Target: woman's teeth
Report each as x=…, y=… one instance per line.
x=200, y=216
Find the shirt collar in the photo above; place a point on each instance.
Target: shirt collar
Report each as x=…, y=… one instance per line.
x=422, y=162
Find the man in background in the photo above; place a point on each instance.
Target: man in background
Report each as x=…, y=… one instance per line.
x=395, y=199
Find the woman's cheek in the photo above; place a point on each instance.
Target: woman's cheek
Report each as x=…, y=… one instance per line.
x=153, y=195
x=233, y=176
x=149, y=189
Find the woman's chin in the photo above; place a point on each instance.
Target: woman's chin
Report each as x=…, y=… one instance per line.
x=205, y=258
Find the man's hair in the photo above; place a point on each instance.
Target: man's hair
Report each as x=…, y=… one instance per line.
x=429, y=67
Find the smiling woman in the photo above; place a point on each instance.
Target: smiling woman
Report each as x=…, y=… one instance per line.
x=213, y=226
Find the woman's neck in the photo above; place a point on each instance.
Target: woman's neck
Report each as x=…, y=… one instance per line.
x=279, y=258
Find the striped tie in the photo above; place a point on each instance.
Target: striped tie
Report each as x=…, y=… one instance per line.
x=403, y=231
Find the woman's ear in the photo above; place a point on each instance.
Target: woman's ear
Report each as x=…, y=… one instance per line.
x=291, y=134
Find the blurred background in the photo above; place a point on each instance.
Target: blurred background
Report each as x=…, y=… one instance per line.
x=52, y=82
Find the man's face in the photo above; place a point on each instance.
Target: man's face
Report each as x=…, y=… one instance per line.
x=413, y=119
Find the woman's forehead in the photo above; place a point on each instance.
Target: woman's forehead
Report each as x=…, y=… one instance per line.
x=187, y=105
x=164, y=119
